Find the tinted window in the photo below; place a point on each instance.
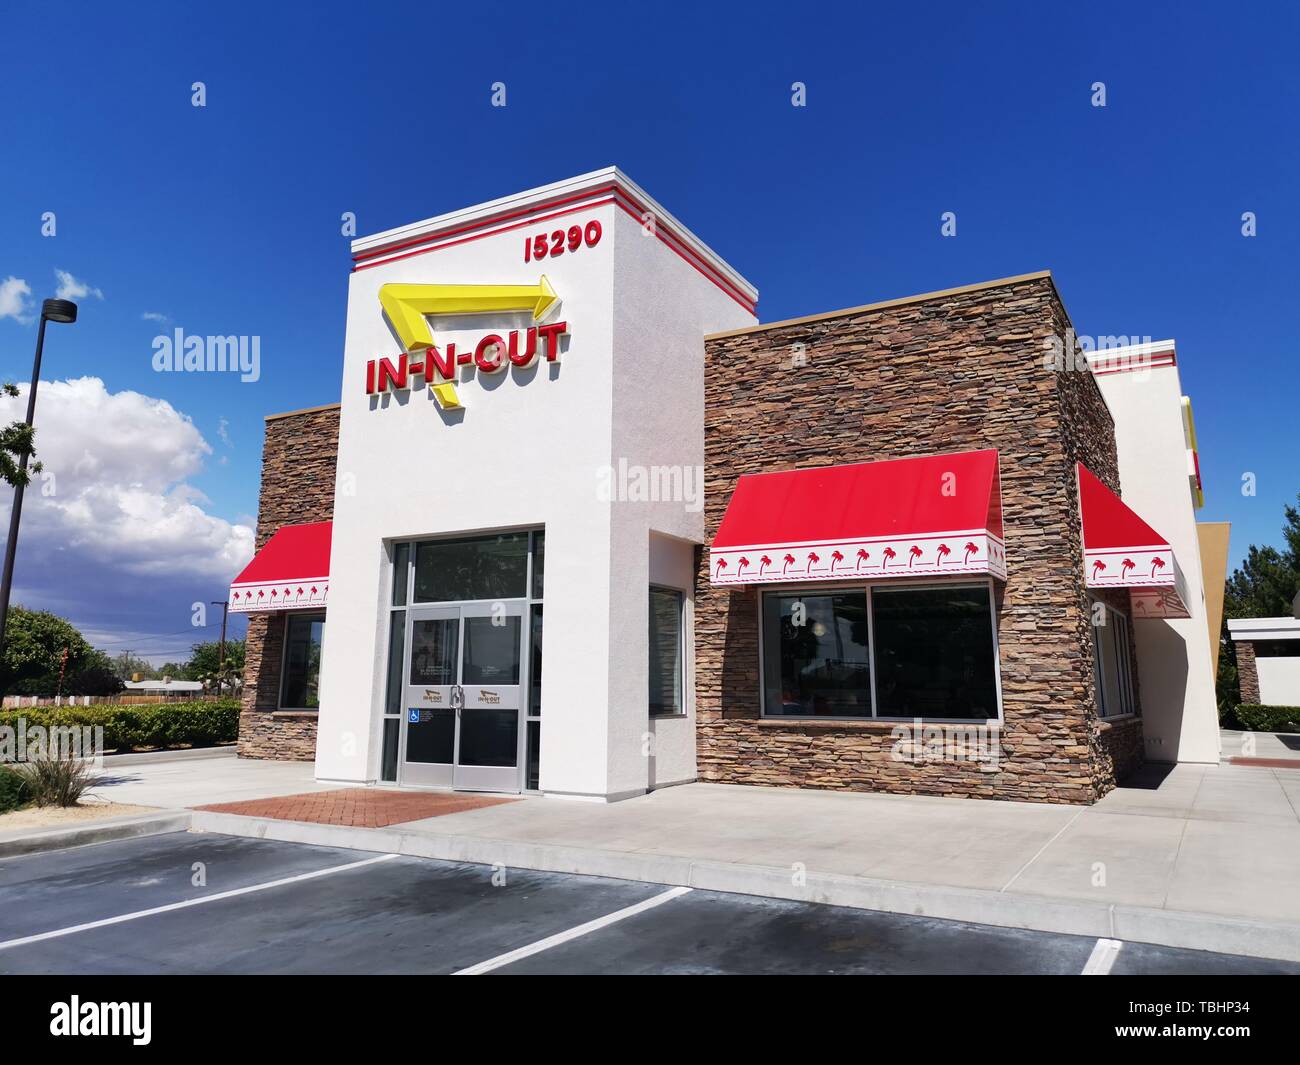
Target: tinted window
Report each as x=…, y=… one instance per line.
x=482, y=567
x=303, y=636
x=934, y=653
x=815, y=658
x=666, y=652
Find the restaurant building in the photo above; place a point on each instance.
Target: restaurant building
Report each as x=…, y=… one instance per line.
x=572, y=482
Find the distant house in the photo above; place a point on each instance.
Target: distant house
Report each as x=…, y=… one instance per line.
x=163, y=686
x=1268, y=659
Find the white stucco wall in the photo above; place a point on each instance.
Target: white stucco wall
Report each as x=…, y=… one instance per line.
x=1175, y=673
x=1279, y=681
x=662, y=311
x=526, y=451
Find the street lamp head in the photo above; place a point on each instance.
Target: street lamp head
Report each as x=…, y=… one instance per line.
x=64, y=311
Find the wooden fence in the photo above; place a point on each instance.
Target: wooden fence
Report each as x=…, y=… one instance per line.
x=14, y=702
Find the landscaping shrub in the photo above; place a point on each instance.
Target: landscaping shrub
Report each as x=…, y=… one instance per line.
x=13, y=790
x=57, y=781
x=132, y=727
x=1252, y=717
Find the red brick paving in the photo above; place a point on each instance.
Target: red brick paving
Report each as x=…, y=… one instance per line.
x=1267, y=763
x=358, y=807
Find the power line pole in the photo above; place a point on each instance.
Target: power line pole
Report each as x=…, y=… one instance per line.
x=221, y=648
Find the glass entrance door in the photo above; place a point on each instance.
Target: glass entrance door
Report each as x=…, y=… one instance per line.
x=464, y=676
x=491, y=663
x=429, y=720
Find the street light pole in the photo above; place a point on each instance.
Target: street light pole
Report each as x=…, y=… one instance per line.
x=64, y=311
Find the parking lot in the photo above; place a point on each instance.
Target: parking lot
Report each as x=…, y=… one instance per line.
x=200, y=903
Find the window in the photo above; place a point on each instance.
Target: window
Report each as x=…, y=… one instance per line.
x=539, y=563
x=481, y=567
x=1277, y=648
x=890, y=652
x=1110, y=652
x=396, y=659
x=934, y=653
x=816, y=662
x=535, y=668
x=491, y=652
x=299, y=684
x=666, y=652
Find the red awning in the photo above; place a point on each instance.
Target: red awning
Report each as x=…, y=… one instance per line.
x=292, y=572
x=1120, y=550
x=940, y=515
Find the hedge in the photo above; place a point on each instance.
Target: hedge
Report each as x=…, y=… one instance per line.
x=127, y=728
x=13, y=790
x=1252, y=717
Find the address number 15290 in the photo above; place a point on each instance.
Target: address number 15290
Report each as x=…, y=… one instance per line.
x=557, y=242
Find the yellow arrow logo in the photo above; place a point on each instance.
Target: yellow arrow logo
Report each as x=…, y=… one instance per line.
x=408, y=305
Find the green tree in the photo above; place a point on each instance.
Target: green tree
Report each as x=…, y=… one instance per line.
x=205, y=656
x=40, y=646
x=127, y=664
x=92, y=675
x=1264, y=586
x=15, y=442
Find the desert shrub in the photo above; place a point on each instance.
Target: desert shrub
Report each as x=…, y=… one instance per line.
x=57, y=781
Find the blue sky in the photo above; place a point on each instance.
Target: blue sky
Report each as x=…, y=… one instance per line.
x=225, y=219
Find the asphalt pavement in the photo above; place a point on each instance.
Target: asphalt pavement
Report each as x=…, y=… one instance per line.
x=205, y=903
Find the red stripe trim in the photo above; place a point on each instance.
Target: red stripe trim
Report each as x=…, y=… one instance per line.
x=480, y=236
x=668, y=238
x=684, y=250
x=1131, y=363
x=493, y=220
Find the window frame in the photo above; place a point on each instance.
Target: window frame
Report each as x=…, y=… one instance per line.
x=1124, y=665
x=681, y=653
x=289, y=617
x=390, y=566
x=829, y=587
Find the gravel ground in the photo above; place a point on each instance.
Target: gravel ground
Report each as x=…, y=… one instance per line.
x=54, y=816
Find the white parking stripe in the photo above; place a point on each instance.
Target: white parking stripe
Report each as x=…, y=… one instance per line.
x=121, y=918
x=572, y=933
x=1102, y=957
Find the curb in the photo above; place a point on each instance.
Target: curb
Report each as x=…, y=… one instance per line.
x=1279, y=940
x=136, y=757
x=106, y=831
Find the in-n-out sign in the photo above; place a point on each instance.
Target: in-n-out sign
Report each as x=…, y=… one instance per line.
x=408, y=308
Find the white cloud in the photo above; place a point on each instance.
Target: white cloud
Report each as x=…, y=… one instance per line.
x=71, y=288
x=113, y=535
x=13, y=299
x=223, y=431
x=155, y=316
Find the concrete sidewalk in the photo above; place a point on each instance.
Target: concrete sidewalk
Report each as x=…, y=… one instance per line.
x=1202, y=856
x=163, y=780
x=1284, y=746
x=1208, y=839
